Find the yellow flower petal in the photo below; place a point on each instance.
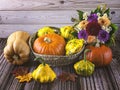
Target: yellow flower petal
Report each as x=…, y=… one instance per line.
x=104, y=21
x=25, y=78
x=83, y=24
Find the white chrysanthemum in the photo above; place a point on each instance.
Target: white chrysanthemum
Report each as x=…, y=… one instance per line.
x=105, y=15
x=77, y=28
x=98, y=14
x=103, y=27
x=108, y=29
x=98, y=43
x=85, y=15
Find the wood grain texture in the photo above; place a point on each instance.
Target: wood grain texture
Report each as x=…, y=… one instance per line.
x=46, y=17
x=6, y=30
x=30, y=15
x=36, y=17
x=54, y=4
x=104, y=78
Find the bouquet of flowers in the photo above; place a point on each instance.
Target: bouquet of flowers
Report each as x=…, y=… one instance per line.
x=98, y=32
x=96, y=27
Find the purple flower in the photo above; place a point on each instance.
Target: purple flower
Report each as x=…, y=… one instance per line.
x=103, y=35
x=92, y=17
x=82, y=34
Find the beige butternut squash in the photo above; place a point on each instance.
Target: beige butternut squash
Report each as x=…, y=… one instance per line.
x=17, y=50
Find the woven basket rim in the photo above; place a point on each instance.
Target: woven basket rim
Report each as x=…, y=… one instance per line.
x=62, y=56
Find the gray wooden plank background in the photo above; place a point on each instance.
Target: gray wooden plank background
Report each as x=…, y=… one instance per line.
x=30, y=15
x=54, y=4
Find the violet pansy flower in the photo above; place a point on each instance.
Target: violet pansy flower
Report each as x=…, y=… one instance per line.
x=92, y=17
x=103, y=36
x=82, y=34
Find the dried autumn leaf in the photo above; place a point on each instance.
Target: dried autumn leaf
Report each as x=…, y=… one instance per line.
x=65, y=76
x=20, y=71
x=25, y=78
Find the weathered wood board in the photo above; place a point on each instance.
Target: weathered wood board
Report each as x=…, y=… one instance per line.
x=54, y=4
x=105, y=78
x=30, y=15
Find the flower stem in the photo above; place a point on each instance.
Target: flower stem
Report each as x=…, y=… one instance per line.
x=86, y=50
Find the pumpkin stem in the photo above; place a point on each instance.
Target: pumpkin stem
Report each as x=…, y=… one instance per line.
x=40, y=59
x=15, y=57
x=47, y=40
x=86, y=50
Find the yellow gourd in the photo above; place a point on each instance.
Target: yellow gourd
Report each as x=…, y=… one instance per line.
x=44, y=73
x=73, y=46
x=44, y=31
x=68, y=32
x=84, y=67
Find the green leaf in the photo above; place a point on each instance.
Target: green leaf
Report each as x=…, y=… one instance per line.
x=104, y=7
x=97, y=10
x=107, y=11
x=111, y=41
x=75, y=34
x=80, y=13
x=75, y=25
x=92, y=11
x=114, y=27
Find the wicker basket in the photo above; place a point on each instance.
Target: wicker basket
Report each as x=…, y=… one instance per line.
x=55, y=60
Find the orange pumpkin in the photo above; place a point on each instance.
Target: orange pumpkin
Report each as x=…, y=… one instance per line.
x=100, y=56
x=50, y=44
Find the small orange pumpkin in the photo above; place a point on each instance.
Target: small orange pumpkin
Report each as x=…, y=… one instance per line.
x=50, y=44
x=100, y=56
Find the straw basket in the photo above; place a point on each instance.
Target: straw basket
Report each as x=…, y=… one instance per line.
x=55, y=60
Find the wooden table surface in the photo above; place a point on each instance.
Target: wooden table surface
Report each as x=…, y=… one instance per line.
x=30, y=15
x=105, y=78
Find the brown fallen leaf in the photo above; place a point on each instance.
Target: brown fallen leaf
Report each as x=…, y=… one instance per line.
x=22, y=74
x=20, y=71
x=65, y=76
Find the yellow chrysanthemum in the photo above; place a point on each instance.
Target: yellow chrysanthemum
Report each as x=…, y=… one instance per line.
x=83, y=24
x=104, y=21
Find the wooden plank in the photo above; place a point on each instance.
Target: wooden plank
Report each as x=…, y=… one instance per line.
x=115, y=70
x=5, y=76
x=97, y=80
x=114, y=84
x=116, y=48
x=36, y=17
x=6, y=30
x=106, y=78
x=46, y=17
x=54, y=4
